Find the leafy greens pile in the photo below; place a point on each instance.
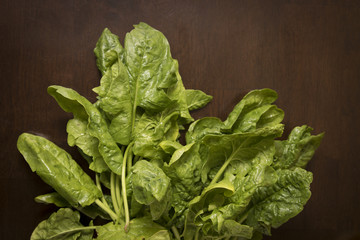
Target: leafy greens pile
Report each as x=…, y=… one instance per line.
x=231, y=179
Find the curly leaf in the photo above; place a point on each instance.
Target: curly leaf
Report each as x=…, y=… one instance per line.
x=183, y=170
x=298, y=150
x=274, y=205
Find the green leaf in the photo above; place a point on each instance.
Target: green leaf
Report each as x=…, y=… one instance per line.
x=234, y=229
x=62, y=225
x=107, y=50
x=298, y=150
x=151, y=130
x=158, y=208
x=254, y=111
x=202, y=127
x=149, y=182
x=116, y=100
x=183, y=170
x=221, y=150
x=160, y=235
x=170, y=147
x=212, y=197
x=78, y=135
x=196, y=99
x=140, y=228
x=52, y=198
x=178, y=94
x=70, y=101
x=139, y=79
x=143, y=95
x=151, y=67
x=274, y=205
x=92, y=211
x=56, y=168
x=105, y=179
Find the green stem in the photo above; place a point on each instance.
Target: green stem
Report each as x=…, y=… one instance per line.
x=220, y=172
x=176, y=232
x=72, y=230
x=117, y=193
x=197, y=234
x=106, y=209
x=244, y=216
x=98, y=184
x=113, y=193
x=123, y=182
x=130, y=163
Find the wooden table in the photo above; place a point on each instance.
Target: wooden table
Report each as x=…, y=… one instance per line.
x=308, y=51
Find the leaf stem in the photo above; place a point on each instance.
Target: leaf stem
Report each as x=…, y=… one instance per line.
x=113, y=192
x=244, y=216
x=106, y=209
x=130, y=163
x=98, y=184
x=176, y=232
x=117, y=193
x=197, y=234
x=221, y=171
x=123, y=182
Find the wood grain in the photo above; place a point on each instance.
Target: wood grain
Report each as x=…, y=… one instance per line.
x=308, y=51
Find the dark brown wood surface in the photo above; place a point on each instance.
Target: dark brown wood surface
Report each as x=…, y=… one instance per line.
x=308, y=51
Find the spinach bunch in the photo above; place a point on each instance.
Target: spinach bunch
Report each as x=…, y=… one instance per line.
x=231, y=179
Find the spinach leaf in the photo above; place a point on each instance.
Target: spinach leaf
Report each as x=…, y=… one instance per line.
x=62, y=225
x=149, y=183
x=116, y=100
x=151, y=130
x=70, y=101
x=78, y=135
x=139, y=79
x=140, y=228
x=92, y=211
x=274, y=205
x=202, y=127
x=234, y=229
x=211, y=198
x=142, y=92
x=183, y=170
x=254, y=111
x=107, y=50
x=298, y=149
x=246, y=168
x=196, y=99
x=158, y=208
x=170, y=147
x=52, y=198
x=221, y=150
x=56, y=167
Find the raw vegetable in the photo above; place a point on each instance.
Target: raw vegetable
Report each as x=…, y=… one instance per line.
x=230, y=179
